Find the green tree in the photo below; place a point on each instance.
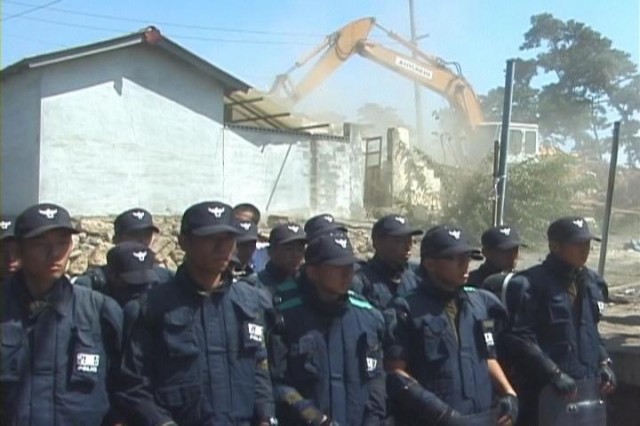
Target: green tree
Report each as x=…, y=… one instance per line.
x=525, y=98
x=589, y=84
x=538, y=191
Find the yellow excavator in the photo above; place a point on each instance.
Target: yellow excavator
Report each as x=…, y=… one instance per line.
x=427, y=70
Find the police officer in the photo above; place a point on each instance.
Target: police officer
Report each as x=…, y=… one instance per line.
x=325, y=347
x=388, y=273
x=60, y=343
x=132, y=225
x=500, y=247
x=9, y=260
x=130, y=271
x=247, y=212
x=242, y=263
x=322, y=224
x=440, y=352
x=555, y=321
x=287, y=242
x=196, y=354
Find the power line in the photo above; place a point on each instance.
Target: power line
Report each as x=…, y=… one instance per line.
x=172, y=24
x=33, y=9
x=177, y=36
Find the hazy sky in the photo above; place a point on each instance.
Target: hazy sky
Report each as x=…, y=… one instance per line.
x=256, y=40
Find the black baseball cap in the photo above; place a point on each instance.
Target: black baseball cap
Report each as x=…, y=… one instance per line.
x=286, y=233
x=503, y=237
x=132, y=262
x=322, y=224
x=38, y=219
x=7, y=227
x=248, y=231
x=447, y=240
x=208, y=218
x=334, y=249
x=394, y=225
x=570, y=229
x=136, y=219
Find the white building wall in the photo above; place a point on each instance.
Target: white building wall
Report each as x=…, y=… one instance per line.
x=135, y=127
x=19, y=147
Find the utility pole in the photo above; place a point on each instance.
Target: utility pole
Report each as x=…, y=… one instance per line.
x=504, y=139
x=416, y=86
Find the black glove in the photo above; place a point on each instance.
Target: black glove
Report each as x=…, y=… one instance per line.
x=563, y=383
x=607, y=375
x=508, y=406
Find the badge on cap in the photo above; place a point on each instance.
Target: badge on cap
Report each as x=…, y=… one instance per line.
x=140, y=255
x=341, y=242
x=244, y=225
x=579, y=223
x=400, y=219
x=5, y=224
x=293, y=228
x=87, y=363
x=48, y=213
x=372, y=363
x=255, y=332
x=138, y=214
x=455, y=233
x=505, y=231
x=328, y=218
x=216, y=211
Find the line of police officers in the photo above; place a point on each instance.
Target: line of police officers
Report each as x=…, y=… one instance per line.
x=313, y=338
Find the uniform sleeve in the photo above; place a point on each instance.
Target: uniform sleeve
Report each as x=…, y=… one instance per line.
x=376, y=406
x=290, y=404
x=111, y=322
x=264, y=407
x=599, y=296
x=520, y=340
x=135, y=395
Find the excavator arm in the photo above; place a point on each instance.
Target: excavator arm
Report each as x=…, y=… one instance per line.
x=430, y=74
x=340, y=46
x=427, y=70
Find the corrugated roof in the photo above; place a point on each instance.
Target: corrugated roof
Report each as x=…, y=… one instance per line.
x=255, y=108
x=150, y=36
x=244, y=106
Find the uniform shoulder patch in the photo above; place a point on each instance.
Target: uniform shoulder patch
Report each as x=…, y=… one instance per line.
x=359, y=301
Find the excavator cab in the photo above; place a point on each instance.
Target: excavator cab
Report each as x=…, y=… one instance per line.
x=523, y=139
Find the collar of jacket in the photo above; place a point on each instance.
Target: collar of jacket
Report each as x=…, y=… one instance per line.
x=59, y=296
x=310, y=295
x=185, y=280
x=392, y=272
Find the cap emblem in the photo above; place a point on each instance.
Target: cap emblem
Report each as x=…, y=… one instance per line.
x=138, y=214
x=140, y=255
x=455, y=233
x=400, y=219
x=328, y=218
x=245, y=225
x=342, y=242
x=5, y=224
x=216, y=211
x=505, y=231
x=579, y=223
x=48, y=213
x=293, y=228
